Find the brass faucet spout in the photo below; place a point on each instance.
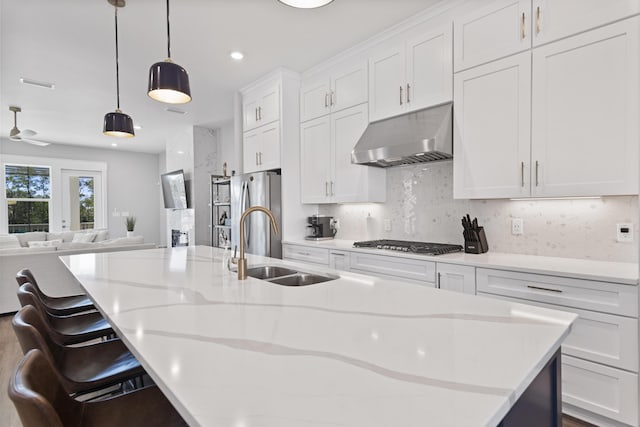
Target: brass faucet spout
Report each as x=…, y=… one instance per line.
x=242, y=261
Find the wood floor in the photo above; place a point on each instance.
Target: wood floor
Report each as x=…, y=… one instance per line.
x=10, y=354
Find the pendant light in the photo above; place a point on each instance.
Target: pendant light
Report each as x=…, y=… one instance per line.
x=169, y=82
x=305, y=4
x=118, y=124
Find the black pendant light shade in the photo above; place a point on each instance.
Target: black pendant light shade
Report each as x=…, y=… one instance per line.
x=118, y=124
x=169, y=82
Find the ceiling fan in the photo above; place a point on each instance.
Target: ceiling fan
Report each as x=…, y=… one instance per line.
x=23, y=135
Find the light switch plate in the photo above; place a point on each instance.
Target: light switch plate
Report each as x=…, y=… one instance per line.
x=624, y=232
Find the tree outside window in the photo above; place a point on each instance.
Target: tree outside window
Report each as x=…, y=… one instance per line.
x=28, y=194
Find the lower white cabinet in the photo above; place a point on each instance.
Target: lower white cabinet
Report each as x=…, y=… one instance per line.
x=455, y=277
x=394, y=267
x=305, y=254
x=339, y=260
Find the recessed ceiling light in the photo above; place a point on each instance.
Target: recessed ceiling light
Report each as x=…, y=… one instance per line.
x=305, y=4
x=113, y=144
x=175, y=110
x=236, y=55
x=44, y=85
x=137, y=127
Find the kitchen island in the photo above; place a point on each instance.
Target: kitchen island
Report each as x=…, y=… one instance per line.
x=355, y=351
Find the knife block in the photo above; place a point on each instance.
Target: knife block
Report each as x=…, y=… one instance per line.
x=478, y=242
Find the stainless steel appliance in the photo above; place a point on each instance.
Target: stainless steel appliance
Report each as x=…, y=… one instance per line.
x=322, y=227
x=424, y=248
x=257, y=189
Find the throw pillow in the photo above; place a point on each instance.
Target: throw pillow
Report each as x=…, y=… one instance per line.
x=84, y=237
x=9, y=241
x=45, y=244
x=25, y=238
x=102, y=235
x=65, y=236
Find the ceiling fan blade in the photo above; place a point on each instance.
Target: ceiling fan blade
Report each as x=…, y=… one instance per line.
x=35, y=142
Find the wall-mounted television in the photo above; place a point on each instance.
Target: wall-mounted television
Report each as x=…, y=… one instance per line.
x=174, y=190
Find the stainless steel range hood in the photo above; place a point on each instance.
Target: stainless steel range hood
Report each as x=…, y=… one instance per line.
x=418, y=137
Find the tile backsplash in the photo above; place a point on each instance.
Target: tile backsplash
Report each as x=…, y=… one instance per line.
x=420, y=206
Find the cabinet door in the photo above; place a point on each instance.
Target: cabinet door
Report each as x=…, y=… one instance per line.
x=315, y=162
x=555, y=19
x=339, y=260
x=349, y=182
x=494, y=31
x=386, y=84
x=585, y=113
x=492, y=120
x=269, y=149
x=250, y=114
x=430, y=69
x=349, y=87
x=269, y=105
x=459, y=278
x=314, y=99
x=250, y=144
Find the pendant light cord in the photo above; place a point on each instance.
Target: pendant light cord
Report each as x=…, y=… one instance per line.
x=117, y=65
x=168, y=34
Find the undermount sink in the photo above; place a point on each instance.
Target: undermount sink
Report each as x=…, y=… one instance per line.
x=302, y=279
x=266, y=272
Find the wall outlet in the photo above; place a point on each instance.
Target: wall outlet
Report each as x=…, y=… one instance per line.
x=387, y=224
x=517, y=226
x=624, y=232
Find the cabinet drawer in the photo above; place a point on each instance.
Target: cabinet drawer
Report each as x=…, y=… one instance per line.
x=605, y=391
x=605, y=297
x=306, y=254
x=603, y=338
x=422, y=271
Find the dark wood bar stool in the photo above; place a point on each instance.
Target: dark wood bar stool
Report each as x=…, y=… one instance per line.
x=83, y=369
x=39, y=396
x=65, y=330
x=60, y=306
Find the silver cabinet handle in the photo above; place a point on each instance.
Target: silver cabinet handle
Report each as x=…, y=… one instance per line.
x=260, y=157
x=331, y=98
x=326, y=100
x=438, y=281
x=539, y=288
x=257, y=159
x=538, y=20
x=523, y=29
x=304, y=253
x=332, y=193
x=256, y=114
x=326, y=188
x=259, y=113
x=537, y=174
x=400, y=95
x=522, y=173
x=408, y=93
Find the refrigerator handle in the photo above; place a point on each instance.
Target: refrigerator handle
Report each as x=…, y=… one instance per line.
x=247, y=199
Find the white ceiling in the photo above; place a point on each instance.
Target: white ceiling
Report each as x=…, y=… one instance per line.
x=71, y=43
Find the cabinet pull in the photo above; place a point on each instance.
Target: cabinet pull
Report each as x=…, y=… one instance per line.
x=259, y=113
x=331, y=98
x=332, y=193
x=257, y=159
x=538, y=20
x=408, y=93
x=537, y=174
x=539, y=288
x=438, y=281
x=326, y=100
x=400, y=95
x=260, y=157
x=256, y=114
x=522, y=173
x=326, y=188
x=304, y=253
x=524, y=33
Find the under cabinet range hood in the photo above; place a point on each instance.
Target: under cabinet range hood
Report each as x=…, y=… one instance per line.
x=417, y=137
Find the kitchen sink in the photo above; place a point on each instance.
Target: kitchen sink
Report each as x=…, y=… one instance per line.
x=267, y=272
x=302, y=279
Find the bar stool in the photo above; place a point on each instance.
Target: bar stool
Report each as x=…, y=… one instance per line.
x=41, y=400
x=60, y=306
x=65, y=330
x=84, y=369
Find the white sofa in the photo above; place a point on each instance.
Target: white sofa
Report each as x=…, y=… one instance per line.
x=43, y=261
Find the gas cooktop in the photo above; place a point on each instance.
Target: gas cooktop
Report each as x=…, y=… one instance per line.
x=424, y=248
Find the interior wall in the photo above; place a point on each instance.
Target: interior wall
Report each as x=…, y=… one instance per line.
x=179, y=155
x=207, y=162
x=162, y=168
x=420, y=207
x=132, y=182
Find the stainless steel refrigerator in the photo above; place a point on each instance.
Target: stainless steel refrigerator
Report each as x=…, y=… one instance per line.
x=257, y=189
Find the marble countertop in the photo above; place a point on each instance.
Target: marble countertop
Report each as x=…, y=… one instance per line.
x=356, y=351
x=607, y=271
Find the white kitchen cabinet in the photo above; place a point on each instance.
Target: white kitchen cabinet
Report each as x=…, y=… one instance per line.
x=456, y=277
x=415, y=75
x=327, y=174
x=555, y=19
x=499, y=29
x=306, y=254
x=492, y=116
x=585, y=113
x=420, y=271
x=261, y=148
x=344, y=87
x=339, y=260
x=261, y=106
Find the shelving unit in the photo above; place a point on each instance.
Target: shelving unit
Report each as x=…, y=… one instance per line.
x=220, y=220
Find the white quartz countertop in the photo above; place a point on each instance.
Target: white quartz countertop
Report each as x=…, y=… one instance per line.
x=607, y=271
x=356, y=351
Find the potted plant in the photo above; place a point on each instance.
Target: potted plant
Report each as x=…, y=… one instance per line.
x=131, y=224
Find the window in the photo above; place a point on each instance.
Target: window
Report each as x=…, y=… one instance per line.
x=28, y=195
x=86, y=202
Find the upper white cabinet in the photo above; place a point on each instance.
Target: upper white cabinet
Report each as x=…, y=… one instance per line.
x=492, y=117
x=261, y=148
x=555, y=19
x=261, y=107
x=585, y=113
x=499, y=29
x=327, y=174
x=344, y=87
x=412, y=76
x=569, y=129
